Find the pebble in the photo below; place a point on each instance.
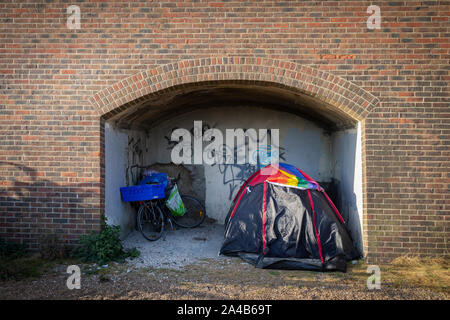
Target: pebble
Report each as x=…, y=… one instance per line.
x=179, y=249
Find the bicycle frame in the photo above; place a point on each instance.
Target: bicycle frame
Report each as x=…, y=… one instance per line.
x=161, y=204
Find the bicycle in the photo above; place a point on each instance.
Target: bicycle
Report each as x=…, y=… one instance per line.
x=153, y=215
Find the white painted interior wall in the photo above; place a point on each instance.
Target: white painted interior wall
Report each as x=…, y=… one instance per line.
x=347, y=169
x=116, y=161
x=305, y=145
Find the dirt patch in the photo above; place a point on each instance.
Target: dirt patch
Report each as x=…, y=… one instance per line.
x=227, y=278
x=184, y=264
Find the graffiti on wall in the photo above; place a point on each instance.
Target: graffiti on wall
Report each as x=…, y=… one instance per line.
x=235, y=172
x=135, y=158
x=171, y=143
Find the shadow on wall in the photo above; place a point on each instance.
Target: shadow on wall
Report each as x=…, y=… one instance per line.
x=348, y=174
x=32, y=207
x=334, y=161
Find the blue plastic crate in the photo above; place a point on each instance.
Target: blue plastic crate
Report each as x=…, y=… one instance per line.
x=143, y=192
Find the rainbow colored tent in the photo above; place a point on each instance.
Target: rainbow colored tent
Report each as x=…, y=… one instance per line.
x=282, y=219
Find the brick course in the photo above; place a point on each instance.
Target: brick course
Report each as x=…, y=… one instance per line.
x=57, y=87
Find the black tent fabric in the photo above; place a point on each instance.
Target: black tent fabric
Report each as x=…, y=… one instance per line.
x=279, y=226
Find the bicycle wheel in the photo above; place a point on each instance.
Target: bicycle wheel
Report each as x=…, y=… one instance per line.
x=150, y=221
x=195, y=213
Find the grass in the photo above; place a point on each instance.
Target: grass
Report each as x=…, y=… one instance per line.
x=406, y=277
x=17, y=263
x=404, y=271
x=29, y=266
x=233, y=278
x=432, y=273
x=34, y=266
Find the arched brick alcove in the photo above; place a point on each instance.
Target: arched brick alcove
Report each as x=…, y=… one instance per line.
x=333, y=90
x=331, y=94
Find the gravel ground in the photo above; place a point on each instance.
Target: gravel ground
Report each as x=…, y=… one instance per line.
x=184, y=264
x=177, y=248
x=212, y=279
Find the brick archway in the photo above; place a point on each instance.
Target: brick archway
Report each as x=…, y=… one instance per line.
x=336, y=93
x=325, y=87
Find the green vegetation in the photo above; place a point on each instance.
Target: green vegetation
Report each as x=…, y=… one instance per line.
x=17, y=263
x=52, y=247
x=426, y=272
x=24, y=267
x=12, y=250
x=10, y=254
x=104, y=246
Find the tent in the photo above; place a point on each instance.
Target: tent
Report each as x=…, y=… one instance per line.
x=282, y=219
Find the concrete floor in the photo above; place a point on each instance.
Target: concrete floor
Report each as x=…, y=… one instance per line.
x=177, y=248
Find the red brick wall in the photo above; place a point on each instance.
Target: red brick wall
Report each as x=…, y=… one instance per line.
x=53, y=80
